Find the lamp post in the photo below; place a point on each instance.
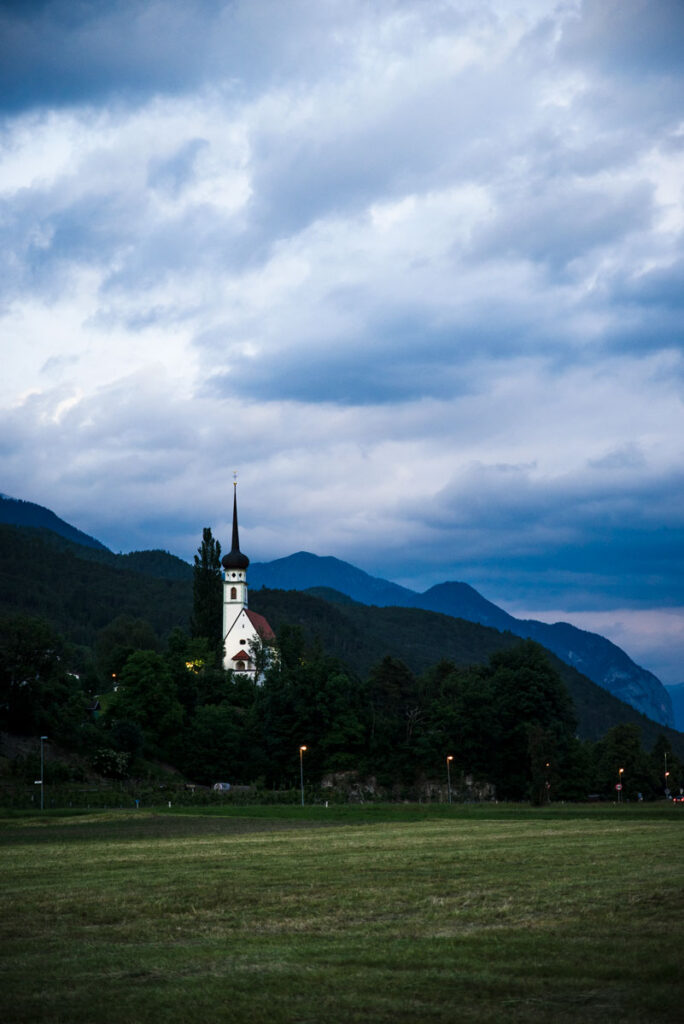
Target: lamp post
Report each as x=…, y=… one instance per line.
x=449, y=760
x=301, y=771
x=620, y=774
x=42, y=775
x=667, y=776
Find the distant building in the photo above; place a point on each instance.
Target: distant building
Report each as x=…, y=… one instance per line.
x=245, y=633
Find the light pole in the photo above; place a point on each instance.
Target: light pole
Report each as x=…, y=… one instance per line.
x=667, y=776
x=301, y=771
x=620, y=774
x=449, y=759
x=42, y=776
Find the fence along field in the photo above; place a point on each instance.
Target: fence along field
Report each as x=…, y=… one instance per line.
x=343, y=914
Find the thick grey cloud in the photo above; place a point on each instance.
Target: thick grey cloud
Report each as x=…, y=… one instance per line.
x=627, y=37
x=60, y=52
x=604, y=523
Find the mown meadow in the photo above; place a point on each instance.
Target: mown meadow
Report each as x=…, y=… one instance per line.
x=342, y=914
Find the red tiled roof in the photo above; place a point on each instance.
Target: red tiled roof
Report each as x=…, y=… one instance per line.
x=240, y=656
x=261, y=625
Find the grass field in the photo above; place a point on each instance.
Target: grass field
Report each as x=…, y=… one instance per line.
x=346, y=914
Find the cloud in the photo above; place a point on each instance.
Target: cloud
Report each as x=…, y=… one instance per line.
x=57, y=52
x=627, y=37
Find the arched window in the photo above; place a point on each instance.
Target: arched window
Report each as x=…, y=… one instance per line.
x=233, y=593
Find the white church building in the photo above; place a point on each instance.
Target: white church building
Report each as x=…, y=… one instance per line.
x=244, y=631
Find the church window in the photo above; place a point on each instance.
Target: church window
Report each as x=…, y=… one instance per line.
x=233, y=593
x=240, y=666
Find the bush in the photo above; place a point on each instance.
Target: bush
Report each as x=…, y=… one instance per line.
x=113, y=764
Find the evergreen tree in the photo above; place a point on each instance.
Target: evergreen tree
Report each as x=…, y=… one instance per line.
x=533, y=721
x=38, y=693
x=207, y=592
x=117, y=641
x=147, y=697
x=621, y=748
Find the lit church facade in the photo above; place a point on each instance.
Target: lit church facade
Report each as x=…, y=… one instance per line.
x=244, y=632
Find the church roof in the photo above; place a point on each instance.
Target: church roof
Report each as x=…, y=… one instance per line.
x=235, y=559
x=261, y=625
x=240, y=656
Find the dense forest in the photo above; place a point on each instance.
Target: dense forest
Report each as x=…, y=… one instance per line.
x=117, y=658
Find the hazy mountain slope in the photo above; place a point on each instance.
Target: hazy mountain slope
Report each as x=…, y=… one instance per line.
x=599, y=659
x=25, y=513
x=465, y=602
x=676, y=693
x=303, y=571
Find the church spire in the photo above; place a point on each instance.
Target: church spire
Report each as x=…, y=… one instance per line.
x=235, y=559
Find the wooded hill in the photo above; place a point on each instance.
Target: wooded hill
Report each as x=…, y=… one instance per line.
x=81, y=590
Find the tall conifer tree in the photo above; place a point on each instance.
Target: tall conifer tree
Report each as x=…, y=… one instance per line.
x=207, y=591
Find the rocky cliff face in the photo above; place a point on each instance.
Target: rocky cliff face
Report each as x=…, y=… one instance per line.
x=604, y=663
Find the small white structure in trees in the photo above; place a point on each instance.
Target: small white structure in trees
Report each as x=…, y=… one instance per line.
x=247, y=637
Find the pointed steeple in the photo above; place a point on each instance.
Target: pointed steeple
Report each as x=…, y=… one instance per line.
x=235, y=559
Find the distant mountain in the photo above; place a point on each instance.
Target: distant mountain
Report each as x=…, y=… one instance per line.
x=596, y=657
x=303, y=571
x=25, y=513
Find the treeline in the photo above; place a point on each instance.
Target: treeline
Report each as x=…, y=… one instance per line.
x=508, y=723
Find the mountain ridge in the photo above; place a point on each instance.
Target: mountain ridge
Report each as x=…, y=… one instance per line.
x=16, y=512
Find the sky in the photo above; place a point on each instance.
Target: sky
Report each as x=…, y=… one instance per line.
x=413, y=270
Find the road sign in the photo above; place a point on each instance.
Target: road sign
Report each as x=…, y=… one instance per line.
x=618, y=786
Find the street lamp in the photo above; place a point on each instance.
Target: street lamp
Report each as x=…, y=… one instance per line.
x=42, y=776
x=449, y=760
x=620, y=774
x=667, y=775
x=301, y=771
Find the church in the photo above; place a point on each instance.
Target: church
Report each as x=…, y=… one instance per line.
x=244, y=632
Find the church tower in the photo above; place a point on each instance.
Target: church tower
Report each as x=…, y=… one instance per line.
x=242, y=630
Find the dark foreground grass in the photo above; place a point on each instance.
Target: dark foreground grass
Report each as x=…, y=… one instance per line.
x=394, y=914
